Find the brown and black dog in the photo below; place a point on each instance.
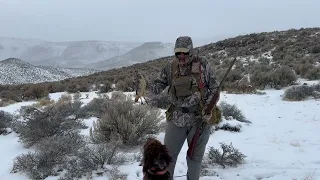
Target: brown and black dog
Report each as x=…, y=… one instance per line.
x=156, y=160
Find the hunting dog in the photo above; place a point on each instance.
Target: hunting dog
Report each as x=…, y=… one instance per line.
x=156, y=160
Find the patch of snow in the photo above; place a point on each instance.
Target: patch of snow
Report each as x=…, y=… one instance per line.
x=56, y=96
x=223, y=53
x=267, y=55
x=14, y=108
x=88, y=122
x=301, y=81
x=10, y=149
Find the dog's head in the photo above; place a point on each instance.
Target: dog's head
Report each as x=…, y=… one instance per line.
x=155, y=156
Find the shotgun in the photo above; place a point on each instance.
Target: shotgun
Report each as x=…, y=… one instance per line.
x=208, y=110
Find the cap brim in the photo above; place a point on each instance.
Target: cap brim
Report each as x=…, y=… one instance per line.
x=185, y=50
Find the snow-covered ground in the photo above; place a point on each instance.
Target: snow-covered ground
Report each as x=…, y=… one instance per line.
x=282, y=143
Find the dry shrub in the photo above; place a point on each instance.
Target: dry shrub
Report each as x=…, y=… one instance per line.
x=131, y=123
x=229, y=156
x=65, y=98
x=5, y=121
x=50, y=155
x=56, y=119
x=6, y=102
x=302, y=92
x=43, y=102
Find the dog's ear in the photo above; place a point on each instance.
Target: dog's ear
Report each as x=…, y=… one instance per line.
x=164, y=147
x=146, y=143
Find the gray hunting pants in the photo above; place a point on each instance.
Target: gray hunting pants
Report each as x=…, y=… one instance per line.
x=174, y=139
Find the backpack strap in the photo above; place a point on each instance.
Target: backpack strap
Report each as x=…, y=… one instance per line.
x=174, y=68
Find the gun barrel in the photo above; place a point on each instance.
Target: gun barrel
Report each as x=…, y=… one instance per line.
x=215, y=97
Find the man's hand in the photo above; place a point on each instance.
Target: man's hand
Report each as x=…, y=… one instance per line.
x=207, y=117
x=208, y=108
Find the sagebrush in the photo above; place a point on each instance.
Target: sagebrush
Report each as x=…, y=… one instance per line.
x=69, y=153
x=5, y=121
x=92, y=158
x=49, y=156
x=231, y=111
x=229, y=127
x=229, y=156
x=117, y=95
x=129, y=122
x=96, y=107
x=56, y=119
x=302, y=92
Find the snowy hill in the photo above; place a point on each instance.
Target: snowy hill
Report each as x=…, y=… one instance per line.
x=73, y=54
x=143, y=53
x=282, y=142
x=16, y=71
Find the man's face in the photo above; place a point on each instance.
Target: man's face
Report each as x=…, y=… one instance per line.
x=182, y=56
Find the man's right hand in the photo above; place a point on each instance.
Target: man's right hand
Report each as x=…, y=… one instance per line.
x=207, y=117
x=208, y=108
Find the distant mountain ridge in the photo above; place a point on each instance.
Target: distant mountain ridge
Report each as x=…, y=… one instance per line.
x=101, y=55
x=143, y=53
x=16, y=71
x=72, y=54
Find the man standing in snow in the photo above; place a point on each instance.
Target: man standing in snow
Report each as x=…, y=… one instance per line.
x=192, y=86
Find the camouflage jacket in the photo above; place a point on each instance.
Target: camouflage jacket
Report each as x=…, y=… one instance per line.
x=178, y=117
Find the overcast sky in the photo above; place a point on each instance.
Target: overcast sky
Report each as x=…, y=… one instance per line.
x=151, y=20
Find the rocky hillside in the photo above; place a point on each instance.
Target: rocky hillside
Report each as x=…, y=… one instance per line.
x=143, y=53
x=282, y=47
x=16, y=71
x=263, y=56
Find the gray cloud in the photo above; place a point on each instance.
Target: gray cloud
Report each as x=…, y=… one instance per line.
x=147, y=20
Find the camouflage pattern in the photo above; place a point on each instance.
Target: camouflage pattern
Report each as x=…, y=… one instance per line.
x=179, y=118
